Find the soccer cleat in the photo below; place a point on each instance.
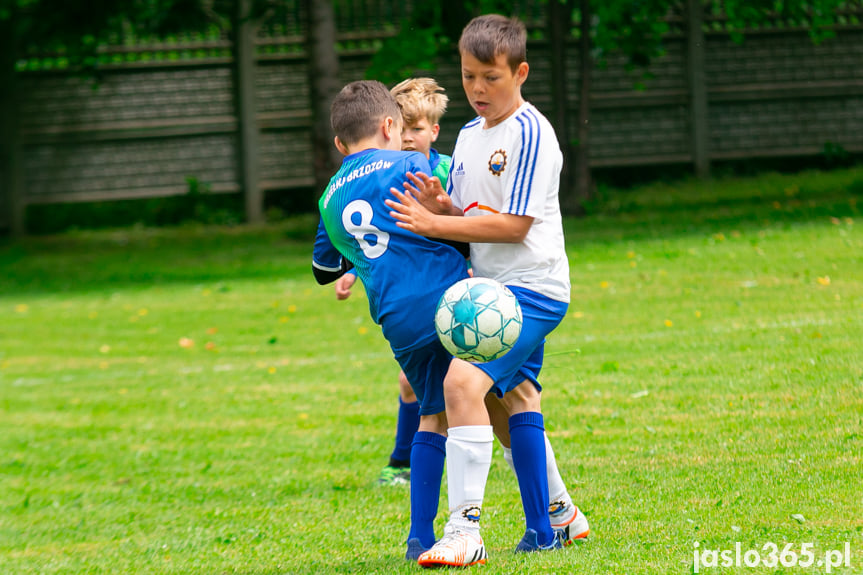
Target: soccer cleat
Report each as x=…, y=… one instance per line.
x=573, y=529
x=456, y=548
x=415, y=549
x=530, y=542
x=395, y=476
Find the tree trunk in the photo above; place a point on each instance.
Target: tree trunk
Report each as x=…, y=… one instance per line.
x=12, y=211
x=582, y=160
x=559, y=23
x=324, y=85
x=700, y=134
x=245, y=70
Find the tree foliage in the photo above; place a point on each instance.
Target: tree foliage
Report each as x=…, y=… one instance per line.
x=634, y=29
x=432, y=30
x=76, y=28
x=816, y=16
x=411, y=50
x=637, y=29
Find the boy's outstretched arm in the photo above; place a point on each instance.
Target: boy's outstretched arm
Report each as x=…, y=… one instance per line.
x=496, y=228
x=429, y=191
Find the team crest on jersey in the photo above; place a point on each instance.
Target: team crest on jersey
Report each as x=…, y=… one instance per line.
x=497, y=162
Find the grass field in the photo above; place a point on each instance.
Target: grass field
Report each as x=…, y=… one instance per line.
x=190, y=401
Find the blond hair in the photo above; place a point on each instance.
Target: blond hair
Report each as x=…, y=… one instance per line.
x=420, y=98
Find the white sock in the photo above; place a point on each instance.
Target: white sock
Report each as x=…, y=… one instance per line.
x=507, y=456
x=468, y=458
x=556, y=488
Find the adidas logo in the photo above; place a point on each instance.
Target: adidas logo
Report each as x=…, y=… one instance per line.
x=459, y=171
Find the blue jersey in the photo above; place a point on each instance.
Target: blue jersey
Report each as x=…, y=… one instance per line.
x=404, y=274
x=440, y=164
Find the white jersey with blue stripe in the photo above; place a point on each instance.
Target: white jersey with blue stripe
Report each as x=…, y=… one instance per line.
x=514, y=168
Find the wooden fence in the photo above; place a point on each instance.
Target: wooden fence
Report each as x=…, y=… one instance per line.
x=162, y=114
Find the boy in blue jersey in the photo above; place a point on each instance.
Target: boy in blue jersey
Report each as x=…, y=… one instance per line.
x=404, y=274
x=422, y=104
x=503, y=192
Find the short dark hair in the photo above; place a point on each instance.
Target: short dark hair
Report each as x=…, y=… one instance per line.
x=359, y=107
x=486, y=37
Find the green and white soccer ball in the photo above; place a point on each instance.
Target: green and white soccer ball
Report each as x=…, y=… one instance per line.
x=478, y=319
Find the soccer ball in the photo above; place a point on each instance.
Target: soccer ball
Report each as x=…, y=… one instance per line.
x=478, y=319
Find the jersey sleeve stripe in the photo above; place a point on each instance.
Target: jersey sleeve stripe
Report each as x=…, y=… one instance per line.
x=525, y=171
x=515, y=190
x=528, y=146
x=326, y=268
x=535, y=157
x=449, y=179
x=472, y=123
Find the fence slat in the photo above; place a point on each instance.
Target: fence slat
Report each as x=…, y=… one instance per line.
x=245, y=70
x=697, y=87
x=235, y=114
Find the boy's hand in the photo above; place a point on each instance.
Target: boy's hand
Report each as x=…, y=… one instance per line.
x=429, y=192
x=343, y=286
x=411, y=214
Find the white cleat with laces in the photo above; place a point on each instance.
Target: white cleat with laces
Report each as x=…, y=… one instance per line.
x=573, y=528
x=457, y=548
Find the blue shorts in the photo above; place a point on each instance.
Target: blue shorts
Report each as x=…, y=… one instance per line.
x=540, y=315
x=425, y=367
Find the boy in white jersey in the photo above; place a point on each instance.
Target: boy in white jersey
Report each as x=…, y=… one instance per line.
x=422, y=104
x=503, y=187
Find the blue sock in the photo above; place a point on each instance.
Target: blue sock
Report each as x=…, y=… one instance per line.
x=406, y=427
x=427, y=461
x=527, y=435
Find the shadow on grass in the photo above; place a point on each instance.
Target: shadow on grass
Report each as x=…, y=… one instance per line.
x=141, y=258
x=705, y=208
x=106, y=261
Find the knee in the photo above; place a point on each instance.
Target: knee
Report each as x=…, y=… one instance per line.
x=406, y=392
x=525, y=397
x=464, y=380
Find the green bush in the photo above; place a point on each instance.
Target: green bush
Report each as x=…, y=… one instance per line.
x=196, y=206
